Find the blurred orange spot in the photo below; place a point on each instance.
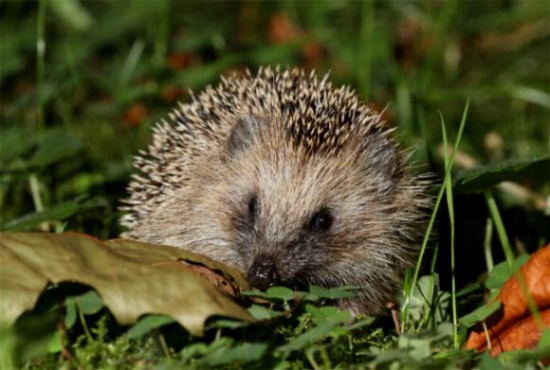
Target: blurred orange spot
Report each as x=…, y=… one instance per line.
x=280, y=29
x=179, y=60
x=312, y=53
x=136, y=114
x=171, y=93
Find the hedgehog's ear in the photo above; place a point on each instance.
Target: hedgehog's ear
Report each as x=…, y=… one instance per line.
x=383, y=160
x=242, y=135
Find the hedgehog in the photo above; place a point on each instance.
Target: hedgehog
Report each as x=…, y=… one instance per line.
x=288, y=179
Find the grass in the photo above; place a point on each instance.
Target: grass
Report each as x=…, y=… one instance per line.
x=83, y=82
x=449, y=192
x=501, y=231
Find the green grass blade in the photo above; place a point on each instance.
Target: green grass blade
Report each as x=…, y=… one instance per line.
x=449, y=192
x=501, y=231
x=432, y=219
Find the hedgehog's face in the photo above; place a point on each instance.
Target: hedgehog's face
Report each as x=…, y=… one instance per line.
x=294, y=219
x=306, y=188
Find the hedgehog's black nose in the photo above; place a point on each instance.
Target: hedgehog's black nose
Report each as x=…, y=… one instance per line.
x=263, y=272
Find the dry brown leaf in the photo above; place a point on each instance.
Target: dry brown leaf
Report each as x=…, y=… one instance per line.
x=132, y=278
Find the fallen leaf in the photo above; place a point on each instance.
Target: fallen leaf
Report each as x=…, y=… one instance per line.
x=524, y=334
x=132, y=278
x=219, y=281
x=513, y=326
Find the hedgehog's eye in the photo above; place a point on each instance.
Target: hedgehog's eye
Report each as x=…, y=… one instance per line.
x=252, y=206
x=322, y=220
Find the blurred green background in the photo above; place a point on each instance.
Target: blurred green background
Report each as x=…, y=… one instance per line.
x=82, y=82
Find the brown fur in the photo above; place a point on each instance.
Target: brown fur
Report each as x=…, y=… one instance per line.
x=244, y=169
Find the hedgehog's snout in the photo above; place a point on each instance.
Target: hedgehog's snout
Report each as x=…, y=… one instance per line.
x=263, y=272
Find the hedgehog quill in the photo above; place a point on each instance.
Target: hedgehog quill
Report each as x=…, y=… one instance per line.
x=287, y=178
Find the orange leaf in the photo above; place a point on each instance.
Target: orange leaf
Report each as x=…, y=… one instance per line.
x=513, y=326
x=523, y=334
